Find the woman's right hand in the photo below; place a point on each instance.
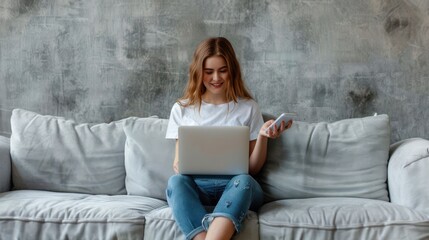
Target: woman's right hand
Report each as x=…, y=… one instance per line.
x=275, y=132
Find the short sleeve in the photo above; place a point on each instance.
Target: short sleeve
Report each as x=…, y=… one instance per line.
x=174, y=122
x=256, y=121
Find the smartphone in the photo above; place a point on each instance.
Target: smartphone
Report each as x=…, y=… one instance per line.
x=284, y=117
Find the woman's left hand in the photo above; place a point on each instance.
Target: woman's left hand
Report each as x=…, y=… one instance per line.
x=275, y=132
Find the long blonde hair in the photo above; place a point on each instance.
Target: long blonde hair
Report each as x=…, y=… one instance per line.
x=235, y=88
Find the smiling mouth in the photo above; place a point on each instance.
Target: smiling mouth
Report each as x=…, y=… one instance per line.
x=216, y=85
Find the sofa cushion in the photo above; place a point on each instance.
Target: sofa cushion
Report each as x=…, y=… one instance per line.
x=408, y=173
x=347, y=158
x=5, y=165
x=160, y=224
x=340, y=218
x=30, y=214
x=55, y=154
x=148, y=157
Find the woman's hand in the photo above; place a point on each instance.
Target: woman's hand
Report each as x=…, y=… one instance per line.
x=275, y=132
x=176, y=167
x=258, y=147
x=176, y=158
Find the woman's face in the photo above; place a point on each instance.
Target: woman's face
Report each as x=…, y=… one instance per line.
x=215, y=76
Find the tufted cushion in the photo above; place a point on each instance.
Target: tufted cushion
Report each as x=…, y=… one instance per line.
x=55, y=154
x=347, y=158
x=162, y=218
x=31, y=214
x=340, y=218
x=148, y=157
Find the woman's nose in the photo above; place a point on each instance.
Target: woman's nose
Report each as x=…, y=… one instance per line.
x=215, y=76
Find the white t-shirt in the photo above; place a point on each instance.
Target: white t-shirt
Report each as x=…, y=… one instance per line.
x=243, y=113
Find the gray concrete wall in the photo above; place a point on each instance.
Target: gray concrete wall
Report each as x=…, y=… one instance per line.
x=103, y=60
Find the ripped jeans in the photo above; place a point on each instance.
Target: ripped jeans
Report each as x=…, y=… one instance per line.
x=232, y=196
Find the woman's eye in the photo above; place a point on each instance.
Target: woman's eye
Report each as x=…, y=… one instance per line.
x=208, y=72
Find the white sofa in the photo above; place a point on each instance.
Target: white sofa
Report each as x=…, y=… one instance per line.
x=342, y=180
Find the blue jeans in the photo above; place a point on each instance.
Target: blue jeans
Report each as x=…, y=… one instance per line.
x=232, y=196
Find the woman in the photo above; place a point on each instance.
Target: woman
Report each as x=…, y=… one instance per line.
x=216, y=95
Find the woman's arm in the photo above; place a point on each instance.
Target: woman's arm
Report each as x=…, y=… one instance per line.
x=258, y=147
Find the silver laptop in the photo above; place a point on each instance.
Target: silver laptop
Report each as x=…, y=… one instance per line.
x=214, y=150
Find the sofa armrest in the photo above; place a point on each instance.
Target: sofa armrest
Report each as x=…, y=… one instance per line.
x=408, y=174
x=5, y=164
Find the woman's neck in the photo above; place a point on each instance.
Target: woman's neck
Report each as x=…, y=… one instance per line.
x=214, y=99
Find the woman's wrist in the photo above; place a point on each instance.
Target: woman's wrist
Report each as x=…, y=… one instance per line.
x=262, y=137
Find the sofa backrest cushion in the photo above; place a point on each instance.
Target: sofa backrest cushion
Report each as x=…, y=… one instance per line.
x=347, y=158
x=55, y=154
x=148, y=157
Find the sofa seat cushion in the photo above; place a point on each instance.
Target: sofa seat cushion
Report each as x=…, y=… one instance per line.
x=340, y=218
x=160, y=224
x=30, y=214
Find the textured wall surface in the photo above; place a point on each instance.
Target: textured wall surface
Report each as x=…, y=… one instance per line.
x=103, y=60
